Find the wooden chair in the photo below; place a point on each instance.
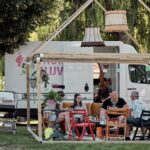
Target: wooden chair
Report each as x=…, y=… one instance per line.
x=113, y=125
x=95, y=109
x=144, y=125
x=88, y=106
x=67, y=105
x=76, y=125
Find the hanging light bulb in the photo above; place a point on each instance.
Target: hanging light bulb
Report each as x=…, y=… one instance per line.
x=92, y=38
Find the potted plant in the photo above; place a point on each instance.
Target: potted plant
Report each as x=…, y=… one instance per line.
x=44, y=78
x=51, y=99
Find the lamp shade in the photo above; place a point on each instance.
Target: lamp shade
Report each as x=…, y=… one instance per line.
x=92, y=38
x=116, y=21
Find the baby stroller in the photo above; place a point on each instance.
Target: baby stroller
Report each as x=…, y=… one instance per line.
x=8, y=105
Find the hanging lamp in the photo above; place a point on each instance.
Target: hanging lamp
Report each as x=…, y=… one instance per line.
x=116, y=21
x=92, y=38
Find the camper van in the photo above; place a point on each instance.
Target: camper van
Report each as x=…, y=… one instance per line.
x=76, y=77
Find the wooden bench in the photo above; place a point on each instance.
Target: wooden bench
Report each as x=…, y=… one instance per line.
x=92, y=108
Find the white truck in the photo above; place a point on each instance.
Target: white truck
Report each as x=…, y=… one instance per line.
x=74, y=76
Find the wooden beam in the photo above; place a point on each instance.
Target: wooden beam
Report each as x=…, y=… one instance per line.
x=28, y=93
x=38, y=68
x=109, y=58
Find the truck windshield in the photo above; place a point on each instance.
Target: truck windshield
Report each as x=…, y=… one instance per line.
x=139, y=73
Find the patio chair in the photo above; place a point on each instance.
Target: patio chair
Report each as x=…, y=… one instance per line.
x=113, y=126
x=95, y=109
x=83, y=125
x=144, y=125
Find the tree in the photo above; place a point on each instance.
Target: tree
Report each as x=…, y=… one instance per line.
x=18, y=18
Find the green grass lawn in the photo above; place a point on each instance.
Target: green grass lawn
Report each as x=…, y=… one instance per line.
x=24, y=141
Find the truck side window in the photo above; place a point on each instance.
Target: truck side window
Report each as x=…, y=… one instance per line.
x=139, y=74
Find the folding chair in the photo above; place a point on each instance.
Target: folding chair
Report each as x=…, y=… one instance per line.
x=113, y=125
x=83, y=125
x=144, y=125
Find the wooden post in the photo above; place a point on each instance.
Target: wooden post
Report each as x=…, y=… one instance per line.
x=39, y=99
x=100, y=5
x=28, y=94
x=108, y=58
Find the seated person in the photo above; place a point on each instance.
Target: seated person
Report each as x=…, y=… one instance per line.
x=113, y=102
x=136, y=107
x=48, y=115
x=64, y=117
x=78, y=105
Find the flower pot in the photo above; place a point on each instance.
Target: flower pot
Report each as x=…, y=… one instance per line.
x=51, y=104
x=33, y=83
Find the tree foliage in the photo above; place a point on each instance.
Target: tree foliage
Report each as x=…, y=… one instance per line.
x=20, y=17
x=138, y=20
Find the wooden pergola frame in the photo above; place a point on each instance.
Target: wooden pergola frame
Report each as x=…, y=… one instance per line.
x=108, y=58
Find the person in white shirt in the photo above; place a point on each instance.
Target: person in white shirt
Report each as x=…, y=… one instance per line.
x=137, y=105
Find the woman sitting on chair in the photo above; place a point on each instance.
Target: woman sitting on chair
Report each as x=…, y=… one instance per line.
x=78, y=105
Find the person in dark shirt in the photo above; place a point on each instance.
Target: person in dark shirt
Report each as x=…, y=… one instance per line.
x=113, y=102
x=103, y=92
x=120, y=103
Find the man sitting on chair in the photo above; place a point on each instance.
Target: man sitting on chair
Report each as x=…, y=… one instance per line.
x=136, y=106
x=113, y=102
